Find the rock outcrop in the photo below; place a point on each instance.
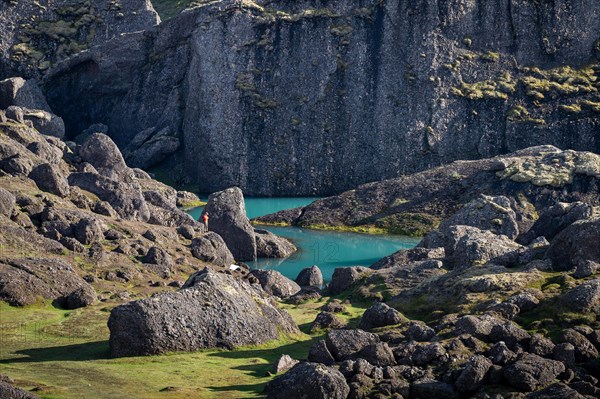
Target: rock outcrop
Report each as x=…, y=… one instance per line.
x=275, y=283
x=212, y=310
x=533, y=179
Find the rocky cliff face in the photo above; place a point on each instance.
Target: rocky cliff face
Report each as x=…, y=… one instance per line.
x=317, y=97
x=36, y=34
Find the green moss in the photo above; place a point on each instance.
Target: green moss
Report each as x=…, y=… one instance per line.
x=490, y=56
x=409, y=224
x=591, y=105
x=192, y=204
x=519, y=113
x=572, y=109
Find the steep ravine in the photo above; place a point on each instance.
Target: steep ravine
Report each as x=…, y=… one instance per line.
x=319, y=97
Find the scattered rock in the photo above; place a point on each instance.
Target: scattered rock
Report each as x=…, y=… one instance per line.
x=565, y=353
x=275, y=283
x=326, y=321
x=575, y=244
x=158, y=256
x=22, y=93
x=344, y=277
x=7, y=202
x=500, y=355
x=419, y=331
x=310, y=277
x=268, y=245
x=343, y=344
x=432, y=389
x=284, y=363
x=103, y=154
x=309, y=380
x=555, y=391
x=89, y=230
x=380, y=315
x=211, y=248
x=81, y=298
x=584, y=349
x=126, y=199
x=585, y=269
x=532, y=372
x=555, y=219
x=378, y=354
x=48, y=177
x=473, y=374
x=8, y=391
x=583, y=298
x=541, y=346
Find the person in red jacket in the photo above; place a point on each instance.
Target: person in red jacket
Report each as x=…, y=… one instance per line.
x=205, y=219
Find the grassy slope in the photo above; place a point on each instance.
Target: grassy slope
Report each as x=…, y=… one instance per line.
x=64, y=354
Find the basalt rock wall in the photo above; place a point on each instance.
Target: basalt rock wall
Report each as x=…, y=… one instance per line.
x=320, y=96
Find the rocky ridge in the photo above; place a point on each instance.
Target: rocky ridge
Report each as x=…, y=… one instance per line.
x=531, y=180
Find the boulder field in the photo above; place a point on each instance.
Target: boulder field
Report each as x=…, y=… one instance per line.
x=486, y=306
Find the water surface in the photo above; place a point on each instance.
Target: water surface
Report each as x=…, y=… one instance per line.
x=326, y=249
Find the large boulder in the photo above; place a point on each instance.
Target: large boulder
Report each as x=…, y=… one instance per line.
x=576, y=243
x=310, y=277
x=103, y=154
x=268, y=245
x=344, y=277
x=227, y=217
x=48, y=177
x=309, y=380
x=380, y=315
x=212, y=310
x=532, y=372
x=126, y=199
x=211, y=248
x=275, y=283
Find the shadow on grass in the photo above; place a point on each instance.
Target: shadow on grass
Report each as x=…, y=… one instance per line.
x=255, y=388
x=76, y=353
x=297, y=350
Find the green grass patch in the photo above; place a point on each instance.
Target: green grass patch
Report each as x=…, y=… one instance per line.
x=65, y=354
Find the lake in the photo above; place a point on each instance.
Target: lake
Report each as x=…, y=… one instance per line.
x=326, y=249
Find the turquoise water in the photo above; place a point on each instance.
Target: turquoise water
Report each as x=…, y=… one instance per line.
x=326, y=249
x=256, y=207
x=330, y=249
